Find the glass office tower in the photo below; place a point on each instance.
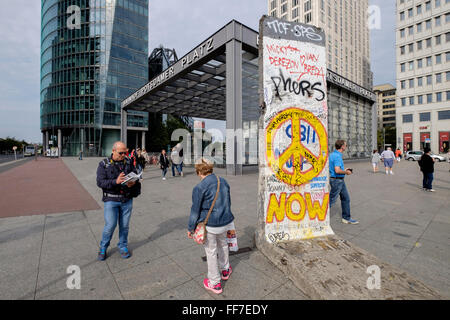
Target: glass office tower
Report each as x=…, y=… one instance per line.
x=93, y=55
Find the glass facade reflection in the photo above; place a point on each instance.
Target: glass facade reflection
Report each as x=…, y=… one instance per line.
x=87, y=69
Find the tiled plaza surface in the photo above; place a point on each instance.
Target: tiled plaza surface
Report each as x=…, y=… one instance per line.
x=399, y=223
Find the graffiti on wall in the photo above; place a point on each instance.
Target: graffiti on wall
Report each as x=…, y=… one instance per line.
x=295, y=123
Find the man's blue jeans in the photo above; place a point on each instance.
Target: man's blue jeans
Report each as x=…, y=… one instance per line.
x=338, y=188
x=427, y=180
x=116, y=212
x=179, y=168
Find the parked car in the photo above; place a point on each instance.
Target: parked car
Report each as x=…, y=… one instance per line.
x=438, y=157
x=416, y=155
x=413, y=155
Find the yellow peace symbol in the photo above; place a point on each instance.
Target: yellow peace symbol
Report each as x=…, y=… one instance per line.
x=296, y=149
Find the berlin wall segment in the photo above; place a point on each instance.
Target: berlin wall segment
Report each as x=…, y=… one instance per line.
x=294, y=166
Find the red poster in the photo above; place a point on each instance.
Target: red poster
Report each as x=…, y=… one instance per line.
x=444, y=141
x=424, y=136
x=407, y=142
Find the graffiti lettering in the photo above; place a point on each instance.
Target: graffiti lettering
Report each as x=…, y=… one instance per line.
x=278, y=237
x=281, y=208
x=303, y=87
x=299, y=31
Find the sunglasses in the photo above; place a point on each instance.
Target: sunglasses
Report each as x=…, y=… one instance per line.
x=122, y=153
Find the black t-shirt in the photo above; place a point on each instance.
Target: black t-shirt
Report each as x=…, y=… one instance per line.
x=426, y=164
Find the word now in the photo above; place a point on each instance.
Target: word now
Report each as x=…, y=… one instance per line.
x=283, y=207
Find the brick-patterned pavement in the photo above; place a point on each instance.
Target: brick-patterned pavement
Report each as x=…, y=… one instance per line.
x=42, y=187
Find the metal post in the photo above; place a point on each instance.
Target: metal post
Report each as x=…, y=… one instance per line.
x=234, y=106
x=123, y=126
x=143, y=140
x=59, y=142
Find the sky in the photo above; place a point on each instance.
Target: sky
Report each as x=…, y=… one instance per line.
x=177, y=24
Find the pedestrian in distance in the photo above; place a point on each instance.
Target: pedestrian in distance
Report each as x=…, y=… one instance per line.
x=140, y=160
x=214, y=192
x=117, y=197
x=398, y=154
x=176, y=160
x=81, y=155
x=164, y=163
x=375, y=160
x=426, y=164
x=388, y=157
x=337, y=183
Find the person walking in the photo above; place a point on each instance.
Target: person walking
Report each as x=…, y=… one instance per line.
x=146, y=156
x=176, y=161
x=140, y=160
x=337, y=183
x=426, y=164
x=117, y=198
x=212, y=191
x=398, y=154
x=164, y=163
x=388, y=157
x=375, y=160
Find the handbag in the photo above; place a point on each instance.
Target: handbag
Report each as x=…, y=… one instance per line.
x=200, y=231
x=232, y=238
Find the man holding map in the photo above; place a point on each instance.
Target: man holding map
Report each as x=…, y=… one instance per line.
x=117, y=176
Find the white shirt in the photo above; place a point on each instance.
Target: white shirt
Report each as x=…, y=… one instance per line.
x=387, y=154
x=219, y=230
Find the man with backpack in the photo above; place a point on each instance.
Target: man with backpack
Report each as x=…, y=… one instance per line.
x=118, y=197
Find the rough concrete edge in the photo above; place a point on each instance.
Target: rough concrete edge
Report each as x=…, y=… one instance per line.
x=286, y=262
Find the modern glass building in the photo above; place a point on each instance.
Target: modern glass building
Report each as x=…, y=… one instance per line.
x=93, y=55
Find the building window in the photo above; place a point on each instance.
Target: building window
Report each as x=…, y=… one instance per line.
x=429, y=80
x=419, y=9
x=410, y=13
x=428, y=42
x=439, y=97
x=284, y=8
x=428, y=24
x=411, y=101
x=411, y=65
x=420, y=99
x=419, y=45
x=438, y=77
x=419, y=81
x=411, y=83
x=402, y=50
x=447, y=56
x=447, y=17
x=429, y=98
x=438, y=40
x=419, y=64
x=402, y=16
x=426, y=116
x=295, y=13
x=407, y=118
x=402, y=67
x=447, y=37
x=410, y=31
x=419, y=27
x=438, y=59
x=448, y=95
x=444, y=115
x=429, y=62
x=437, y=3
x=447, y=76
x=308, y=17
x=403, y=102
x=402, y=33
x=437, y=21
x=295, y=3
x=403, y=84
x=428, y=5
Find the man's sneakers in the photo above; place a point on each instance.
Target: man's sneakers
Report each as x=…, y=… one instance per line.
x=208, y=286
x=431, y=190
x=124, y=253
x=350, y=221
x=102, y=254
x=226, y=274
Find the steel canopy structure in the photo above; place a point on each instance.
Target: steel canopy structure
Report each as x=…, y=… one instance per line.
x=212, y=81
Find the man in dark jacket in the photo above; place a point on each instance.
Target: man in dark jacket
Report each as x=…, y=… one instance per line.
x=164, y=163
x=426, y=164
x=118, y=197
